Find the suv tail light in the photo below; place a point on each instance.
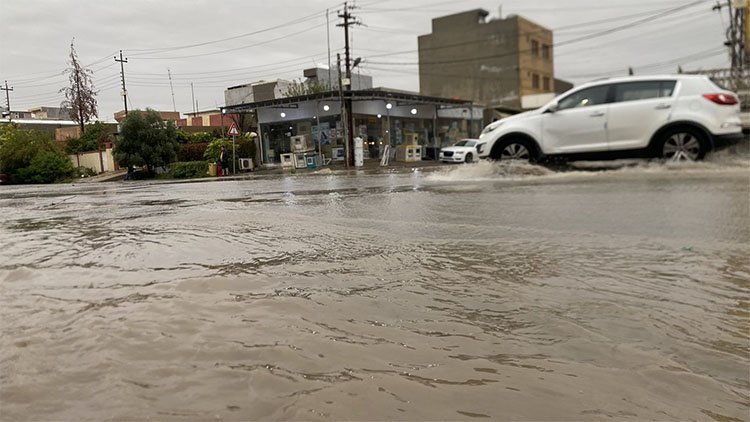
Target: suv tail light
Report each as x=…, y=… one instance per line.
x=721, y=99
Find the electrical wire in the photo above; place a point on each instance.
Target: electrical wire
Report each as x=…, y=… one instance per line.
x=234, y=49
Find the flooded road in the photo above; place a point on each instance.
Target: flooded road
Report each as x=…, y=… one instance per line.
x=482, y=291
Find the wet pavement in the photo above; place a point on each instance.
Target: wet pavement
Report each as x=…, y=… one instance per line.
x=510, y=292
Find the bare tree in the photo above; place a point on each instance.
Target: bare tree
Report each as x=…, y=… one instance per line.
x=80, y=96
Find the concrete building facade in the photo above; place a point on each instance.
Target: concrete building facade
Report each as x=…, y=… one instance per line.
x=491, y=62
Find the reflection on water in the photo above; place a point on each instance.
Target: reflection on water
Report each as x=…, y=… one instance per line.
x=483, y=291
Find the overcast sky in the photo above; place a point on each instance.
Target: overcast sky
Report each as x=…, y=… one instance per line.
x=217, y=44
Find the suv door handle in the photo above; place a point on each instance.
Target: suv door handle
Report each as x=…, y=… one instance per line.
x=663, y=106
x=597, y=114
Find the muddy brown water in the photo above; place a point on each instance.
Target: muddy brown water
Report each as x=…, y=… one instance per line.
x=483, y=291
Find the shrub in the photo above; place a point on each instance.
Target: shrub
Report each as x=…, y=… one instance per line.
x=245, y=148
x=191, y=152
x=201, y=138
x=47, y=167
x=190, y=170
x=29, y=156
x=84, y=172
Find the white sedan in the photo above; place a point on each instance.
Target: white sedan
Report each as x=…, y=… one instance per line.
x=463, y=151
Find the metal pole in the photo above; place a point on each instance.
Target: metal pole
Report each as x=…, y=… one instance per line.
x=193, y=93
x=388, y=122
x=222, y=122
x=234, y=157
x=7, y=98
x=471, y=120
x=174, y=106
x=122, y=75
x=435, y=134
x=317, y=117
x=343, y=110
x=328, y=34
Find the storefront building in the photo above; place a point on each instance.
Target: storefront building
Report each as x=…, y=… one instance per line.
x=381, y=117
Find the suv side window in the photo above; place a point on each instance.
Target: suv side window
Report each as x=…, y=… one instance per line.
x=634, y=91
x=588, y=97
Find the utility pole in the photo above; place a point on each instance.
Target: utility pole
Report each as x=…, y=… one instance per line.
x=737, y=40
x=328, y=36
x=344, y=114
x=122, y=75
x=348, y=21
x=193, y=93
x=7, y=97
x=174, y=106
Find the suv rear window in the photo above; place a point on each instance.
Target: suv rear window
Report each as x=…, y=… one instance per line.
x=633, y=91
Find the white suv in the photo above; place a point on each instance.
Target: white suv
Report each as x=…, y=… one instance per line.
x=678, y=117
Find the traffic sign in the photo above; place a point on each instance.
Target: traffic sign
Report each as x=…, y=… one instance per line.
x=233, y=130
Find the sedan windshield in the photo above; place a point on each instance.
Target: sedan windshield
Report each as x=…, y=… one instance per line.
x=465, y=143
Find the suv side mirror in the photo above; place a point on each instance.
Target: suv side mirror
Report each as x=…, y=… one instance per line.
x=553, y=107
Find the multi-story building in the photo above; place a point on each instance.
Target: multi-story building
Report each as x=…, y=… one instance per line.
x=493, y=62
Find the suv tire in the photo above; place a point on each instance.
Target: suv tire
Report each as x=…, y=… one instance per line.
x=682, y=144
x=515, y=149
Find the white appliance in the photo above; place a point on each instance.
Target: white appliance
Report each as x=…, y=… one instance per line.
x=299, y=161
x=246, y=164
x=302, y=143
x=287, y=161
x=409, y=153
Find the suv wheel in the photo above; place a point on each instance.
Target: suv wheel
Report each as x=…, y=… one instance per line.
x=684, y=144
x=515, y=149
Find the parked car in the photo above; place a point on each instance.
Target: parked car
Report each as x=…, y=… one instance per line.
x=463, y=151
x=679, y=117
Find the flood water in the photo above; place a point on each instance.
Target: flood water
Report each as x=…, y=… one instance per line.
x=483, y=291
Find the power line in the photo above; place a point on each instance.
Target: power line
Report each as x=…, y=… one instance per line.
x=233, y=49
x=200, y=44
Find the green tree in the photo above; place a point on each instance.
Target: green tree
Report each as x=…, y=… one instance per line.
x=146, y=139
x=29, y=156
x=96, y=135
x=80, y=96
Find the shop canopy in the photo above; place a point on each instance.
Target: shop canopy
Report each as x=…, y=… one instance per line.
x=398, y=97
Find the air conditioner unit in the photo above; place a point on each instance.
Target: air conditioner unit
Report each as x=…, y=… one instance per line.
x=246, y=164
x=302, y=143
x=287, y=160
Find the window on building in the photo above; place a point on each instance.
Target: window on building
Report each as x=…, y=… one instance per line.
x=545, y=83
x=534, y=47
x=535, y=81
x=545, y=51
